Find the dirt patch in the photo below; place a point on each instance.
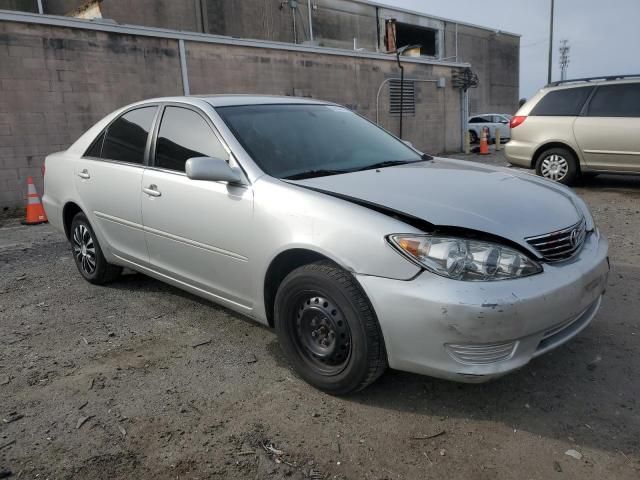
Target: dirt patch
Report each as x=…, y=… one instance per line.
x=176, y=387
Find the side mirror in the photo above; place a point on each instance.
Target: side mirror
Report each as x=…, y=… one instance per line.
x=211, y=169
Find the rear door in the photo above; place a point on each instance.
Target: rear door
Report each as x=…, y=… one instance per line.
x=197, y=232
x=108, y=179
x=608, y=132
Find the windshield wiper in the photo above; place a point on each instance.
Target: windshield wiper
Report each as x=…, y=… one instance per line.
x=313, y=173
x=388, y=163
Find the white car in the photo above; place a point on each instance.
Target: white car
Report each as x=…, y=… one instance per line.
x=492, y=121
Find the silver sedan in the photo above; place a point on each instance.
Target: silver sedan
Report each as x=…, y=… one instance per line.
x=360, y=251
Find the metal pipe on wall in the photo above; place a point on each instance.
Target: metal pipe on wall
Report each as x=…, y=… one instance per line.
x=40, y=9
x=456, y=42
x=295, y=28
x=183, y=67
x=309, y=7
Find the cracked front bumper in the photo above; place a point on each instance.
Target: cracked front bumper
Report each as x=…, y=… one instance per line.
x=476, y=331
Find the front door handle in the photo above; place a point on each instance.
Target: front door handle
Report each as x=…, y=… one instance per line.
x=152, y=190
x=84, y=174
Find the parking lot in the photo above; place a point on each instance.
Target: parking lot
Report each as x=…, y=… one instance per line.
x=141, y=380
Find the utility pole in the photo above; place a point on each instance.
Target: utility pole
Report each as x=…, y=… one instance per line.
x=551, y=41
x=564, y=58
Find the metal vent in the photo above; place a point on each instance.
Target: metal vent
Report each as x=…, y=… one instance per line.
x=479, y=354
x=408, y=100
x=560, y=245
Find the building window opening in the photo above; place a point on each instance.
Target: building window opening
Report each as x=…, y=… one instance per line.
x=400, y=34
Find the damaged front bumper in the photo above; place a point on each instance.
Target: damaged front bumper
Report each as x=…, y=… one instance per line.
x=476, y=331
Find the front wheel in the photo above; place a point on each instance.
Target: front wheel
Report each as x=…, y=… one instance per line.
x=473, y=136
x=328, y=329
x=87, y=253
x=557, y=164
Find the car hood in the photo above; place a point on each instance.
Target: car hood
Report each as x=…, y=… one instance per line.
x=455, y=193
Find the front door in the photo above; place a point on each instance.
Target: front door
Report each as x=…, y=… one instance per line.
x=609, y=133
x=108, y=180
x=198, y=232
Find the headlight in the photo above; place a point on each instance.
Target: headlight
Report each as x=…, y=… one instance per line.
x=463, y=259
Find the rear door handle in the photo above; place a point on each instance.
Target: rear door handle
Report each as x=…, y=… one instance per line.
x=152, y=191
x=84, y=174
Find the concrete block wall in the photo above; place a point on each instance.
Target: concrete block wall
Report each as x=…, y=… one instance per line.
x=495, y=58
x=55, y=82
x=345, y=80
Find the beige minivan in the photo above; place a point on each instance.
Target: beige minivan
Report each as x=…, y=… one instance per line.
x=576, y=127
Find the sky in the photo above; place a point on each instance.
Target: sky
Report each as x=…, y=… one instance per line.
x=604, y=34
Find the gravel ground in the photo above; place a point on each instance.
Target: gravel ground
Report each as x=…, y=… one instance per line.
x=140, y=380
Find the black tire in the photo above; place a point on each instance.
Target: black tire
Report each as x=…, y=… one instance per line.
x=355, y=356
x=87, y=253
x=473, y=137
x=559, y=157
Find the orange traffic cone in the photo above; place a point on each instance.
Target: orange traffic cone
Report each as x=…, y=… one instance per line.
x=484, y=144
x=35, y=210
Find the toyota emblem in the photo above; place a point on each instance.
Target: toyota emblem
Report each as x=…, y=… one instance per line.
x=574, y=237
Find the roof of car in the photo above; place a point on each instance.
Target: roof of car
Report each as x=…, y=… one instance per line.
x=232, y=100
x=585, y=82
x=235, y=100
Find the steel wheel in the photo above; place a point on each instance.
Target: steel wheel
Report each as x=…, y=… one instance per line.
x=84, y=249
x=554, y=167
x=327, y=328
x=322, y=334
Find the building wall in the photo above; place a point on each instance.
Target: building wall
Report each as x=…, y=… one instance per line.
x=494, y=56
x=56, y=82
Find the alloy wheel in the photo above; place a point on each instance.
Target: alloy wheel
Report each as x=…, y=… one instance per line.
x=84, y=249
x=554, y=167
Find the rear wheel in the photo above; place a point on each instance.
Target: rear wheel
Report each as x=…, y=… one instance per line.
x=328, y=330
x=557, y=164
x=88, y=255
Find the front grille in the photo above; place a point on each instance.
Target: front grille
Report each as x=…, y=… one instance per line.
x=560, y=245
x=479, y=354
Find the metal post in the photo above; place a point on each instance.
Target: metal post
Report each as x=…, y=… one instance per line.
x=310, y=21
x=456, y=42
x=183, y=67
x=551, y=41
x=40, y=9
x=498, y=140
x=464, y=113
x=295, y=28
x=401, y=95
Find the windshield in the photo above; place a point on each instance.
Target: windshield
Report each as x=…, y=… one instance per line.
x=302, y=141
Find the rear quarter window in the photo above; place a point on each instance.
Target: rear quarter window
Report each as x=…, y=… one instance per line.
x=567, y=102
x=621, y=100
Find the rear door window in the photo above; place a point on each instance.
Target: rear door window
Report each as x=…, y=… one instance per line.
x=185, y=134
x=566, y=102
x=126, y=138
x=622, y=100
